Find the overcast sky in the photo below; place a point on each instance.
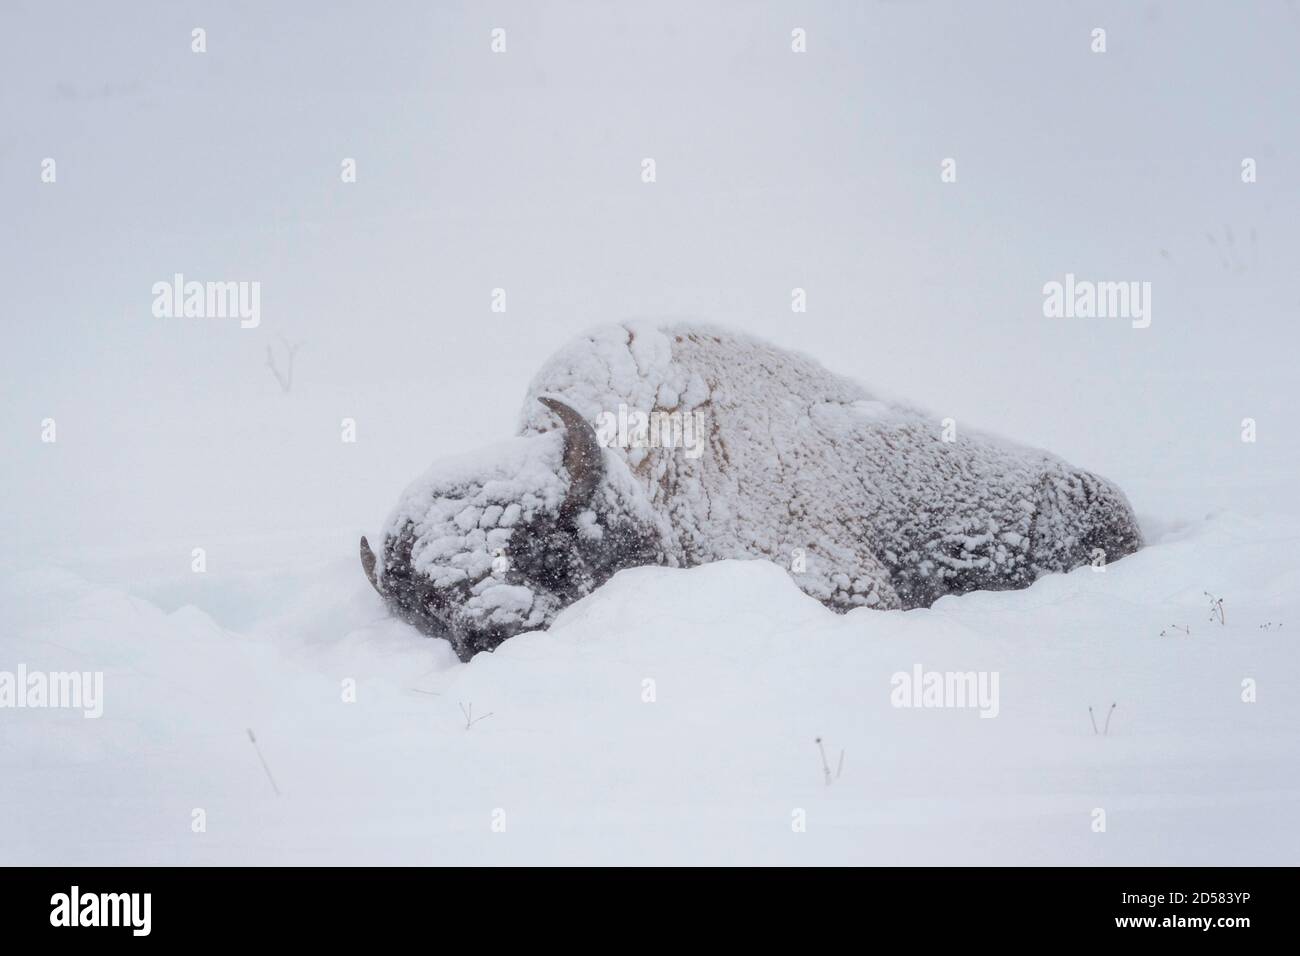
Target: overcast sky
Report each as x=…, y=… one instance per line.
x=522, y=170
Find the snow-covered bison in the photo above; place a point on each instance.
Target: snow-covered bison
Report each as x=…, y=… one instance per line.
x=683, y=444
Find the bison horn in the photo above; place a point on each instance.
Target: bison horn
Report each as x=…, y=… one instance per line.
x=583, y=458
x=368, y=564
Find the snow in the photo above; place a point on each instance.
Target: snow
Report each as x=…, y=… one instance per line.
x=478, y=172
x=747, y=671
x=453, y=540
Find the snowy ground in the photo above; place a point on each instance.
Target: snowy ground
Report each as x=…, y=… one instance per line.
x=776, y=172
x=747, y=672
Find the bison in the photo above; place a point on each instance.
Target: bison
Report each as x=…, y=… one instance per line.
x=868, y=502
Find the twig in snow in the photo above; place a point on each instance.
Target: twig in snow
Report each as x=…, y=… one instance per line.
x=826, y=767
x=1216, y=607
x=470, y=719
x=1177, y=627
x=263, y=759
x=1106, y=730
x=286, y=380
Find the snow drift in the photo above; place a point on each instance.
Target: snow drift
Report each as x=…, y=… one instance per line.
x=668, y=718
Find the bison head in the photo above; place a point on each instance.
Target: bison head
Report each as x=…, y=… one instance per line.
x=480, y=549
